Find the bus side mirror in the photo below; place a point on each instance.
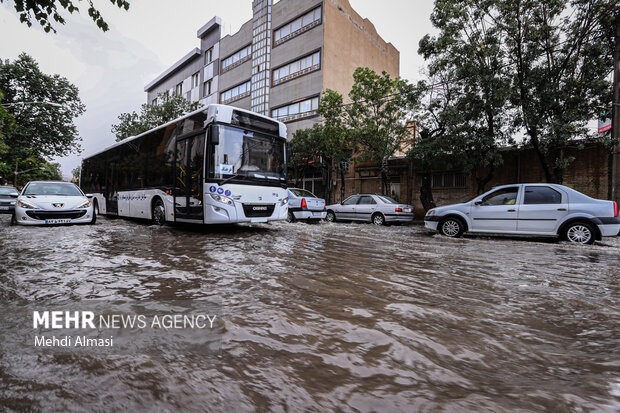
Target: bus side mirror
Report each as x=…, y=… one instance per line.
x=214, y=137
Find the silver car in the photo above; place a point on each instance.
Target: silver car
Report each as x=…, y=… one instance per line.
x=52, y=203
x=8, y=194
x=529, y=209
x=304, y=205
x=378, y=209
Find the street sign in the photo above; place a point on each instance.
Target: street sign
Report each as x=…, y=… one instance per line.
x=604, y=125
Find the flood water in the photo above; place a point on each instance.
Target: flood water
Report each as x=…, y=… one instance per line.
x=328, y=317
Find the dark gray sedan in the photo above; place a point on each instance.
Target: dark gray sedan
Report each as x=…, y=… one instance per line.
x=8, y=195
x=378, y=209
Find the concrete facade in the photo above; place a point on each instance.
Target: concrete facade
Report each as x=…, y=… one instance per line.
x=299, y=29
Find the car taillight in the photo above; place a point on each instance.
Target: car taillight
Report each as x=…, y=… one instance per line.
x=303, y=203
x=399, y=210
x=615, y=209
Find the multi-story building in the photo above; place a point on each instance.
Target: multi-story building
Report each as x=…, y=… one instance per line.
x=279, y=62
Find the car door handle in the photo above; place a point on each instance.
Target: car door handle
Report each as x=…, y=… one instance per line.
x=512, y=210
x=561, y=209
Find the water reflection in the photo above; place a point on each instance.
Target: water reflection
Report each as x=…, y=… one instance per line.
x=330, y=316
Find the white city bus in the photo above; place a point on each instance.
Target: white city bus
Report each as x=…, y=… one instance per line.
x=216, y=165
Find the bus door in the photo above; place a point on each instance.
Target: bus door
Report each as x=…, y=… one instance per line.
x=111, y=187
x=188, y=179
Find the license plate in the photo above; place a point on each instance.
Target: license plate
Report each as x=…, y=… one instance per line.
x=57, y=221
x=3, y=208
x=407, y=209
x=316, y=213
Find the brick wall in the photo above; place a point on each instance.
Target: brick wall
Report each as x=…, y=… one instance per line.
x=588, y=173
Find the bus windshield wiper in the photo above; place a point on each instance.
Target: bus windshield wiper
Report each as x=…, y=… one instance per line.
x=225, y=181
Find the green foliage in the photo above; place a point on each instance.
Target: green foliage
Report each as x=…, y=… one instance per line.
x=44, y=11
x=376, y=117
x=327, y=143
x=538, y=67
x=34, y=130
x=467, y=96
x=76, y=172
x=7, y=125
x=169, y=107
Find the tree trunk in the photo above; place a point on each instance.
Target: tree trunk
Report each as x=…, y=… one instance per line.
x=426, y=192
x=342, y=183
x=481, y=182
x=544, y=163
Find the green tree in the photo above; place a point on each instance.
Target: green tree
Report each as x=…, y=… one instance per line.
x=44, y=11
x=7, y=124
x=167, y=108
x=434, y=115
x=75, y=173
x=308, y=147
x=558, y=56
x=339, y=147
x=376, y=117
x=42, y=109
x=468, y=53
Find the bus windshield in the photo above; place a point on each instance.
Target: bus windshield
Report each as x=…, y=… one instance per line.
x=246, y=155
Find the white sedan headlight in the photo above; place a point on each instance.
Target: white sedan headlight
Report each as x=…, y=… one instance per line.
x=84, y=205
x=26, y=205
x=430, y=213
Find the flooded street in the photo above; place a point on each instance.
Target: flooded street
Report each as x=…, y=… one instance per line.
x=328, y=317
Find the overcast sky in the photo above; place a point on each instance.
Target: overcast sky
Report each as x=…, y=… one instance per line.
x=111, y=69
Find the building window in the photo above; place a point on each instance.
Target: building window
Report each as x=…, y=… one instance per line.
x=297, y=26
x=237, y=58
x=195, y=79
x=298, y=68
x=154, y=102
x=178, y=89
x=207, y=88
x=298, y=110
x=208, y=56
x=235, y=93
x=449, y=180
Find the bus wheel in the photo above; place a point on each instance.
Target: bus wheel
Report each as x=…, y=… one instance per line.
x=159, y=213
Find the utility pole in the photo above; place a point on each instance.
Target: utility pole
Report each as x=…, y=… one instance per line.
x=615, y=111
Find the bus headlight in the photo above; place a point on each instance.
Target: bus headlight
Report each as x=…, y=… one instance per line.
x=223, y=199
x=285, y=201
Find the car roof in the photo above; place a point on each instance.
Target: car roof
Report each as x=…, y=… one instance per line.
x=50, y=182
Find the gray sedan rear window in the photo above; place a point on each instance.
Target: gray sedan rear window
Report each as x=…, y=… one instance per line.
x=541, y=195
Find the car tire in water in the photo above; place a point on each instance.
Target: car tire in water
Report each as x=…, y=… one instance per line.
x=95, y=212
x=378, y=219
x=330, y=217
x=451, y=227
x=290, y=217
x=159, y=213
x=579, y=233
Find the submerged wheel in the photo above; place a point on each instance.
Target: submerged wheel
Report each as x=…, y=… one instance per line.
x=579, y=233
x=159, y=213
x=330, y=217
x=451, y=227
x=95, y=212
x=290, y=217
x=378, y=219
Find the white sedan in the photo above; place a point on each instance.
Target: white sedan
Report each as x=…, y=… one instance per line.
x=304, y=205
x=52, y=203
x=530, y=209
